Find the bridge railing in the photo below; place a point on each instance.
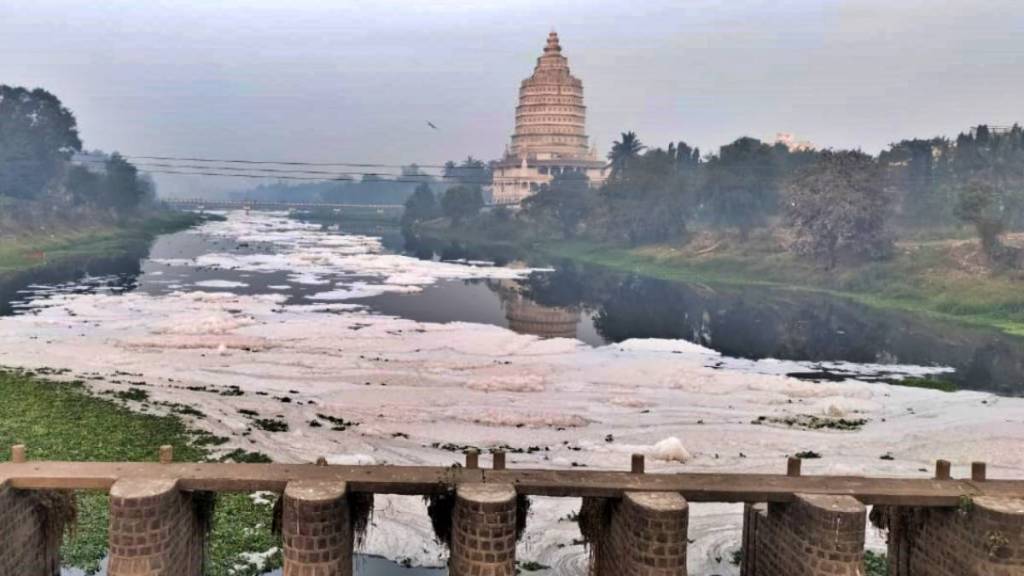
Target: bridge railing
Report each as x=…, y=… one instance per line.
x=636, y=522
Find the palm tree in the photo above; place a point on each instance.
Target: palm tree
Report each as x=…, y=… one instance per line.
x=623, y=151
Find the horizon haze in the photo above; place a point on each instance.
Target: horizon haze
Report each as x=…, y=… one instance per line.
x=327, y=81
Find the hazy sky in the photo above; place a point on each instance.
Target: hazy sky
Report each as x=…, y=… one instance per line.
x=357, y=81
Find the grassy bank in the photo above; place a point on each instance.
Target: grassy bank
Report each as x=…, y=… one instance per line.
x=26, y=251
x=921, y=280
x=62, y=421
x=938, y=278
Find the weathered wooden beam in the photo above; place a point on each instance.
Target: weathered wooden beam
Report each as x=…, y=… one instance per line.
x=413, y=480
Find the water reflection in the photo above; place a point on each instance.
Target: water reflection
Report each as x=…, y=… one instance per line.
x=527, y=316
x=743, y=322
x=593, y=305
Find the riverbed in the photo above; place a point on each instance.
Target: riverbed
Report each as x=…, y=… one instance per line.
x=421, y=356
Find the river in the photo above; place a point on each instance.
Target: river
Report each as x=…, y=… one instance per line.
x=428, y=348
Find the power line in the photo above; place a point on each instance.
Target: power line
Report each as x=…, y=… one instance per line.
x=283, y=162
x=403, y=180
x=291, y=174
x=262, y=170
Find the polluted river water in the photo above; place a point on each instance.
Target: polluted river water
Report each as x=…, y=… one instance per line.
x=425, y=356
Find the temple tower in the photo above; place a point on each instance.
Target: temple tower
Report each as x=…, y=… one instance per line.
x=550, y=131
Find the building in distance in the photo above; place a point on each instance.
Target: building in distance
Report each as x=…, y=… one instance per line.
x=550, y=135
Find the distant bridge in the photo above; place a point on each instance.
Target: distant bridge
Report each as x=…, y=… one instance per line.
x=205, y=204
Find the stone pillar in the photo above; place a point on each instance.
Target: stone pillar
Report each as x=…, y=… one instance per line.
x=317, y=529
x=748, y=560
x=982, y=538
x=154, y=530
x=25, y=545
x=813, y=536
x=645, y=536
x=483, y=531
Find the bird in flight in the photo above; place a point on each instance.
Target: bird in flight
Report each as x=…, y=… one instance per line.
x=431, y=124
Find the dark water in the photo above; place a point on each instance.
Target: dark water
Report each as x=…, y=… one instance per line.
x=593, y=305
x=599, y=307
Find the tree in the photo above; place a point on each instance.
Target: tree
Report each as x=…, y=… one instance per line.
x=471, y=172
x=38, y=135
x=422, y=205
x=122, y=189
x=624, y=152
x=982, y=205
x=461, y=202
x=564, y=202
x=917, y=171
x=988, y=171
x=742, y=185
x=650, y=200
x=839, y=205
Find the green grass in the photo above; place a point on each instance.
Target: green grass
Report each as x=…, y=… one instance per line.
x=62, y=421
x=35, y=250
x=875, y=564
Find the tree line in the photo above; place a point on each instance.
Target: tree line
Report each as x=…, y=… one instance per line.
x=834, y=204
x=38, y=141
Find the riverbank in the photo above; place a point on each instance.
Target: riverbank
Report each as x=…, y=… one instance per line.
x=940, y=279
x=26, y=251
x=61, y=420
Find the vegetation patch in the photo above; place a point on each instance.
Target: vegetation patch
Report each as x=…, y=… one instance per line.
x=928, y=383
x=875, y=564
x=337, y=423
x=245, y=457
x=812, y=422
x=62, y=421
x=271, y=425
x=132, y=394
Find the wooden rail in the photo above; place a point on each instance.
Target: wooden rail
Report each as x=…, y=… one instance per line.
x=413, y=480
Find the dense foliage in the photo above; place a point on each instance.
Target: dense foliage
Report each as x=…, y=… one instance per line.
x=39, y=174
x=422, y=205
x=838, y=205
x=38, y=135
x=828, y=205
x=462, y=202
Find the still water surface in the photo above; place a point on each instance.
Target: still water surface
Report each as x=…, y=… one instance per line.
x=593, y=305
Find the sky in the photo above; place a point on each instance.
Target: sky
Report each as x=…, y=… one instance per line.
x=348, y=81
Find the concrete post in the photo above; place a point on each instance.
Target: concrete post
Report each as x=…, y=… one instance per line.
x=982, y=538
x=646, y=536
x=154, y=530
x=25, y=545
x=317, y=529
x=483, y=531
x=815, y=535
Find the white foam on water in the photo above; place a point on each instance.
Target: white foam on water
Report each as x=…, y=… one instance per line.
x=220, y=284
x=417, y=392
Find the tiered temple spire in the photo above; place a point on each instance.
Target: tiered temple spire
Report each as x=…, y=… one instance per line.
x=550, y=130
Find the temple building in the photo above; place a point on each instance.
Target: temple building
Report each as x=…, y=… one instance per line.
x=550, y=135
